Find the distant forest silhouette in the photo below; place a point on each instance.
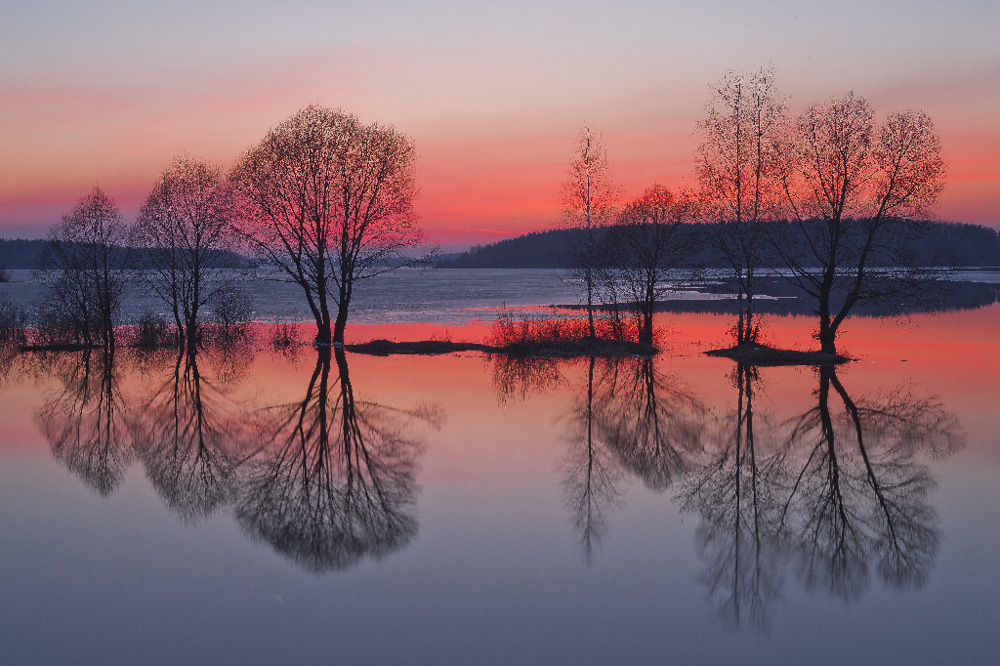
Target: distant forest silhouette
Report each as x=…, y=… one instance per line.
x=938, y=244
x=21, y=254
x=941, y=244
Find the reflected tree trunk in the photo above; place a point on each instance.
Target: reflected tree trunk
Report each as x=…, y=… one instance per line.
x=732, y=489
x=591, y=473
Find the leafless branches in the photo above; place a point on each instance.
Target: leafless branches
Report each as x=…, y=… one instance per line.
x=651, y=242
x=329, y=201
x=185, y=226
x=588, y=200
x=852, y=184
x=738, y=169
x=84, y=254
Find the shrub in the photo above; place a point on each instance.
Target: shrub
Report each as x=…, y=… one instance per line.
x=508, y=331
x=152, y=331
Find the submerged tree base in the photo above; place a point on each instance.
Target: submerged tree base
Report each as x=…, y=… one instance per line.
x=757, y=354
x=600, y=347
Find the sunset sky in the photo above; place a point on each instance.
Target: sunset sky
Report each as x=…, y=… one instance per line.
x=493, y=93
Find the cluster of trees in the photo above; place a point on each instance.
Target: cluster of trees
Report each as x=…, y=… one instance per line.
x=847, y=186
x=324, y=198
x=328, y=200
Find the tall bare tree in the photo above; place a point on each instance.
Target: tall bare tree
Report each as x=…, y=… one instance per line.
x=588, y=199
x=651, y=242
x=185, y=226
x=738, y=171
x=853, y=188
x=84, y=254
x=330, y=202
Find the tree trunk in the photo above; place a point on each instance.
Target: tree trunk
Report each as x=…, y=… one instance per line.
x=590, y=301
x=323, y=336
x=827, y=337
x=192, y=336
x=341, y=324
x=827, y=333
x=646, y=332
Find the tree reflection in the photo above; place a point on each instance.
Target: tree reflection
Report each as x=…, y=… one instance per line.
x=84, y=421
x=733, y=488
x=651, y=423
x=591, y=471
x=628, y=418
x=860, y=493
x=842, y=490
x=338, y=480
x=186, y=436
x=515, y=378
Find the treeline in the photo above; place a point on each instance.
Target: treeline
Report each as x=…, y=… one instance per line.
x=21, y=254
x=933, y=244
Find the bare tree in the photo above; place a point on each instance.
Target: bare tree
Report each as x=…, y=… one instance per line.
x=738, y=170
x=588, y=204
x=330, y=202
x=651, y=242
x=185, y=226
x=84, y=254
x=852, y=189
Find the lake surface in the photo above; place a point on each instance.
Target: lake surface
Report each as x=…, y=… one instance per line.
x=276, y=506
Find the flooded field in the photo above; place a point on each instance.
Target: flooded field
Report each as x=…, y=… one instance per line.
x=262, y=505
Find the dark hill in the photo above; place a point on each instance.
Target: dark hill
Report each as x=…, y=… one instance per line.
x=931, y=244
x=20, y=254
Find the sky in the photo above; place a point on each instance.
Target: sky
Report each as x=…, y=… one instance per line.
x=493, y=93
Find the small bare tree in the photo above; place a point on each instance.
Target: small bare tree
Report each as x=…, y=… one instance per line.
x=82, y=262
x=185, y=228
x=329, y=201
x=738, y=170
x=652, y=241
x=588, y=204
x=852, y=190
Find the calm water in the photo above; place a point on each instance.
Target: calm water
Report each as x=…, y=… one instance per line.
x=259, y=507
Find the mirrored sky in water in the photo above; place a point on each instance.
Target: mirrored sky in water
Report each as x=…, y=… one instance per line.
x=493, y=93
x=260, y=507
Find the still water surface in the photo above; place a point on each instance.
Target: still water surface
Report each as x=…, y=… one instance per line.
x=262, y=507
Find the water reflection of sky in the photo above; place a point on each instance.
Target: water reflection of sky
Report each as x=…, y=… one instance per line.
x=487, y=467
